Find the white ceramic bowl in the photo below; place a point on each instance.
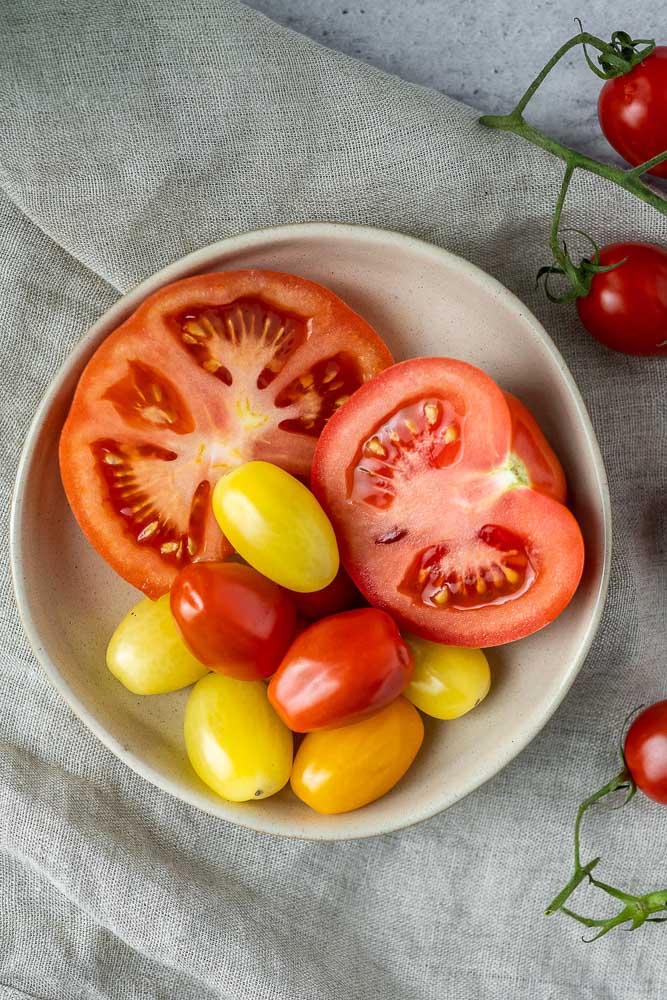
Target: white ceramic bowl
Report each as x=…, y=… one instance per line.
x=423, y=301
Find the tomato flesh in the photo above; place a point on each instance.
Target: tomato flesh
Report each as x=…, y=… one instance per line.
x=419, y=479
x=339, y=670
x=633, y=111
x=646, y=751
x=208, y=373
x=533, y=459
x=233, y=619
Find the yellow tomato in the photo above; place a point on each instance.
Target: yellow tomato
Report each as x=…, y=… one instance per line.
x=277, y=526
x=235, y=741
x=147, y=653
x=448, y=681
x=337, y=770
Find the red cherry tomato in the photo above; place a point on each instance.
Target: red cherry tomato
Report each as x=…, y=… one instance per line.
x=341, y=669
x=434, y=520
x=633, y=111
x=626, y=309
x=340, y=595
x=646, y=751
x=541, y=468
x=233, y=619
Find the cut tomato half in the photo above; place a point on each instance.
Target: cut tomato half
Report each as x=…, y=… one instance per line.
x=434, y=518
x=209, y=372
x=534, y=461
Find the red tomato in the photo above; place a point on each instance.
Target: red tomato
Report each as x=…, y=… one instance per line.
x=208, y=373
x=340, y=595
x=646, y=751
x=432, y=522
x=633, y=111
x=534, y=460
x=233, y=619
x=339, y=670
x=626, y=309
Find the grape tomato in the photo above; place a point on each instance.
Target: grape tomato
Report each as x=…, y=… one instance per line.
x=275, y=523
x=448, y=681
x=235, y=741
x=337, y=770
x=147, y=653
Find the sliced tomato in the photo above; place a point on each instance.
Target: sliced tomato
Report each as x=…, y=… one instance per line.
x=209, y=372
x=434, y=525
x=533, y=460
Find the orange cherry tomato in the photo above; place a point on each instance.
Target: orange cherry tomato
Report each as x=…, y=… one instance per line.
x=337, y=770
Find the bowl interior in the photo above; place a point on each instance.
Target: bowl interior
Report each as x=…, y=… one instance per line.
x=423, y=301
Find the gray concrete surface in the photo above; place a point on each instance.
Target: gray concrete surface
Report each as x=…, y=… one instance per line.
x=483, y=52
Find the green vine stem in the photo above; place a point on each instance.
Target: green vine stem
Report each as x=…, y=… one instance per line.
x=617, y=57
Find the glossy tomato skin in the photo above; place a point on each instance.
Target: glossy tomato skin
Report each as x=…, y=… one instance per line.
x=147, y=653
x=448, y=681
x=633, y=111
x=340, y=595
x=233, y=619
x=208, y=373
x=236, y=743
x=339, y=670
x=646, y=751
x=533, y=457
x=338, y=770
x=626, y=309
x=433, y=524
x=275, y=523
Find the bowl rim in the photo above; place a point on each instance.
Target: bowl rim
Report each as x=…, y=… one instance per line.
x=198, y=261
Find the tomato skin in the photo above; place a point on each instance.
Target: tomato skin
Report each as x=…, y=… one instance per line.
x=626, y=309
x=448, y=681
x=236, y=743
x=541, y=466
x=646, y=751
x=633, y=111
x=339, y=670
x=147, y=654
x=433, y=524
x=338, y=770
x=234, y=620
x=275, y=523
x=209, y=372
x=340, y=595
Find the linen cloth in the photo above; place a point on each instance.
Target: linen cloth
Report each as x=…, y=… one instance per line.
x=132, y=133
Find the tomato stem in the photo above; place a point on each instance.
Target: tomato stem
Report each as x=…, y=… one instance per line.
x=616, y=58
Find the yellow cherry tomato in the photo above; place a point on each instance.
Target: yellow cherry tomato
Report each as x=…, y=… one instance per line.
x=448, y=681
x=277, y=526
x=147, y=653
x=337, y=770
x=235, y=741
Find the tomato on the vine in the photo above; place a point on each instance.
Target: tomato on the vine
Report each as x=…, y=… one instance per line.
x=626, y=308
x=208, y=373
x=632, y=109
x=646, y=752
x=340, y=669
x=233, y=619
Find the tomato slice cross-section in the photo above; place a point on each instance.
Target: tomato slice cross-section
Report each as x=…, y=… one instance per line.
x=208, y=373
x=446, y=516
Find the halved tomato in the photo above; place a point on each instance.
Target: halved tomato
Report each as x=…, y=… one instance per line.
x=209, y=372
x=433, y=523
x=533, y=460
